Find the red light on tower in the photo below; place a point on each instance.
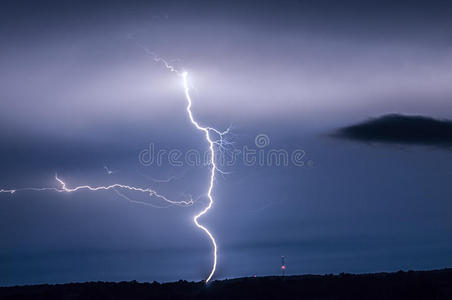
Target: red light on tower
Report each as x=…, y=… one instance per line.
x=283, y=266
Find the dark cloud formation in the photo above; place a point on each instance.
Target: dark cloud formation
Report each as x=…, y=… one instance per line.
x=401, y=129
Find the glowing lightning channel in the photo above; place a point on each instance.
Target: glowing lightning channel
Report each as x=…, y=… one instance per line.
x=206, y=131
x=114, y=187
x=151, y=192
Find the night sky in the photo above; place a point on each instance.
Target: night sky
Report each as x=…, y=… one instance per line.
x=361, y=88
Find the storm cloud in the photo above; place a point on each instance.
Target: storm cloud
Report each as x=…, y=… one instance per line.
x=77, y=95
x=401, y=129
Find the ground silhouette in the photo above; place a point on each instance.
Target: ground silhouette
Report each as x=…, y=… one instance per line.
x=400, y=285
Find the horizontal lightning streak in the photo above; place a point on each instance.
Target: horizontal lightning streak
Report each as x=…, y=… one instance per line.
x=65, y=189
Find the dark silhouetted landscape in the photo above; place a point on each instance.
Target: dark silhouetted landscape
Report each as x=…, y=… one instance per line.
x=400, y=285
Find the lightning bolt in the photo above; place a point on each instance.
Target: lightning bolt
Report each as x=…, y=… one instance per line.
x=114, y=187
x=212, y=143
x=219, y=142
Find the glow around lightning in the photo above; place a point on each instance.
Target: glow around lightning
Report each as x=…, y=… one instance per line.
x=218, y=142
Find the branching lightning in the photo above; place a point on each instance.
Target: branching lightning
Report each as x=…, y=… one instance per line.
x=219, y=142
x=64, y=189
x=211, y=142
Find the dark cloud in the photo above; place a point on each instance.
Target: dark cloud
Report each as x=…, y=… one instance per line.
x=401, y=129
